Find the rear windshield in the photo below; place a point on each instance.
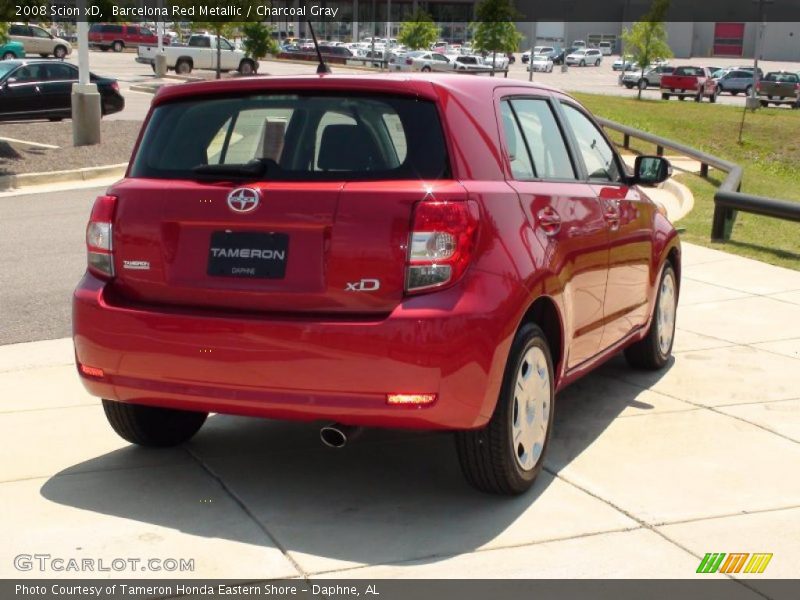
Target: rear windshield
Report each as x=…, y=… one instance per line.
x=296, y=137
x=690, y=71
x=782, y=77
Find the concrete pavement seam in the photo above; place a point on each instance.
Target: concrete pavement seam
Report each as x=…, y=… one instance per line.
x=726, y=516
x=246, y=509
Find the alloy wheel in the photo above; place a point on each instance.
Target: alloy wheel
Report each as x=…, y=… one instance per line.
x=665, y=315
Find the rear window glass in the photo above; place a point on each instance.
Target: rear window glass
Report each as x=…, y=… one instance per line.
x=295, y=137
x=690, y=71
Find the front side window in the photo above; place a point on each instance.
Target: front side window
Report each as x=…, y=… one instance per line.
x=40, y=33
x=296, y=137
x=597, y=154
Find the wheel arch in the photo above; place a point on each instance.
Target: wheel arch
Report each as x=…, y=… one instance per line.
x=544, y=312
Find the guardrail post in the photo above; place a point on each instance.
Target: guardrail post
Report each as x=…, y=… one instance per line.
x=626, y=141
x=660, y=150
x=722, y=223
x=703, y=169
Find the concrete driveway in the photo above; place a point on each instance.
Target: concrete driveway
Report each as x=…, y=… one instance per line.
x=646, y=472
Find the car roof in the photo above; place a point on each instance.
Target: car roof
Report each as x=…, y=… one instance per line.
x=422, y=85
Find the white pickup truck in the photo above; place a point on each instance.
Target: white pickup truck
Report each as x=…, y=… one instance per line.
x=200, y=53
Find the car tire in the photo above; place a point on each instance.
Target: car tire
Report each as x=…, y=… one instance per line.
x=55, y=119
x=597, y=63
x=117, y=46
x=60, y=52
x=583, y=63
x=9, y=56
x=665, y=96
x=747, y=91
x=425, y=69
x=44, y=54
x=151, y=425
x=654, y=351
x=642, y=84
x=490, y=458
x=713, y=97
x=699, y=97
x=629, y=86
x=764, y=103
x=183, y=67
x=681, y=98
x=247, y=67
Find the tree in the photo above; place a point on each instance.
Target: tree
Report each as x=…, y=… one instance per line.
x=258, y=40
x=419, y=31
x=647, y=40
x=495, y=30
x=3, y=32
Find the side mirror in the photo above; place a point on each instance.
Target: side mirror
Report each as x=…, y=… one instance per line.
x=651, y=170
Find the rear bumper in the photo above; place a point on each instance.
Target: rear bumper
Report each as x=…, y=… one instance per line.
x=453, y=343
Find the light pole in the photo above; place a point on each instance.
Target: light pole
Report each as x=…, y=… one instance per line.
x=160, y=64
x=85, y=97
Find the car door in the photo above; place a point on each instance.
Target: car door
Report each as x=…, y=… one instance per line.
x=42, y=40
x=629, y=217
x=439, y=62
x=57, y=88
x=570, y=234
x=22, y=93
x=229, y=59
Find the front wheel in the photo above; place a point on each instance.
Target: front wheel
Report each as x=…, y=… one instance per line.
x=60, y=52
x=508, y=453
x=151, y=425
x=247, y=67
x=583, y=63
x=117, y=46
x=655, y=349
x=664, y=96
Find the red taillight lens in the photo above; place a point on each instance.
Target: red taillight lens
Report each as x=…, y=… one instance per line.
x=99, y=237
x=440, y=244
x=92, y=371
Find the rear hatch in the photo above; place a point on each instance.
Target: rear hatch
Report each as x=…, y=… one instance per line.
x=279, y=202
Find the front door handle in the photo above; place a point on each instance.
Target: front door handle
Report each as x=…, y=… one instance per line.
x=549, y=221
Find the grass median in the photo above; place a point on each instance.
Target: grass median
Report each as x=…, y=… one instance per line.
x=769, y=154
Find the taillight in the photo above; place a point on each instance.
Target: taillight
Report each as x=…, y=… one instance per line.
x=440, y=244
x=99, y=237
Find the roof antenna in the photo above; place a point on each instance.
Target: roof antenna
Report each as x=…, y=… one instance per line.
x=321, y=67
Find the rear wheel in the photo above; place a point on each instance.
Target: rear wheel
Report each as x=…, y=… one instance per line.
x=508, y=453
x=151, y=425
x=426, y=69
x=9, y=56
x=60, y=52
x=117, y=46
x=747, y=90
x=764, y=103
x=665, y=96
x=681, y=98
x=654, y=350
x=184, y=67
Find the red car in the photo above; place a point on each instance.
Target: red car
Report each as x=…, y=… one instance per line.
x=422, y=252
x=689, y=82
x=118, y=36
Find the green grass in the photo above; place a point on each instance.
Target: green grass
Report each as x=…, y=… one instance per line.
x=769, y=154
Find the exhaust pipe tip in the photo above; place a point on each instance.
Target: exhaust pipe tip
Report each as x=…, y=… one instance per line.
x=332, y=436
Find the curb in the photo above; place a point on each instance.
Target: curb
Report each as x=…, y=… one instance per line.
x=683, y=195
x=11, y=182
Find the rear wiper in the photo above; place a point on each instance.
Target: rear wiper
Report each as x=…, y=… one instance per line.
x=254, y=168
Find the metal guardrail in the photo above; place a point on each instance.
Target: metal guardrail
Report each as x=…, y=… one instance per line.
x=728, y=199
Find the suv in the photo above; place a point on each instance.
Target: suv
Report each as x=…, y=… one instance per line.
x=585, y=56
x=36, y=40
x=372, y=251
x=116, y=36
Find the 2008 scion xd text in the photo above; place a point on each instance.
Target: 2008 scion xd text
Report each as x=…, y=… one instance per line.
x=439, y=252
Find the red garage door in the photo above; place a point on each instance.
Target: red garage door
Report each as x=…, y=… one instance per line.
x=728, y=39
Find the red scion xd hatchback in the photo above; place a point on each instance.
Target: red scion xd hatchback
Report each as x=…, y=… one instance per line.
x=424, y=252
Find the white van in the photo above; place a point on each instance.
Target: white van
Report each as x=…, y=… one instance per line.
x=605, y=48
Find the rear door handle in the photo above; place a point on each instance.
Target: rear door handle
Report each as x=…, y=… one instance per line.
x=549, y=221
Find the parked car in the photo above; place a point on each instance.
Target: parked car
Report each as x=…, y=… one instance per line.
x=497, y=60
x=229, y=264
x=779, y=87
x=622, y=63
x=735, y=81
x=118, y=36
x=689, y=82
x=541, y=63
x=37, y=40
x=650, y=78
x=11, y=50
x=469, y=63
x=425, y=61
x=42, y=89
x=526, y=56
x=583, y=57
x=578, y=44
x=201, y=53
x=605, y=48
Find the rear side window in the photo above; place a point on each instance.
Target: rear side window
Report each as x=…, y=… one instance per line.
x=297, y=138
x=532, y=119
